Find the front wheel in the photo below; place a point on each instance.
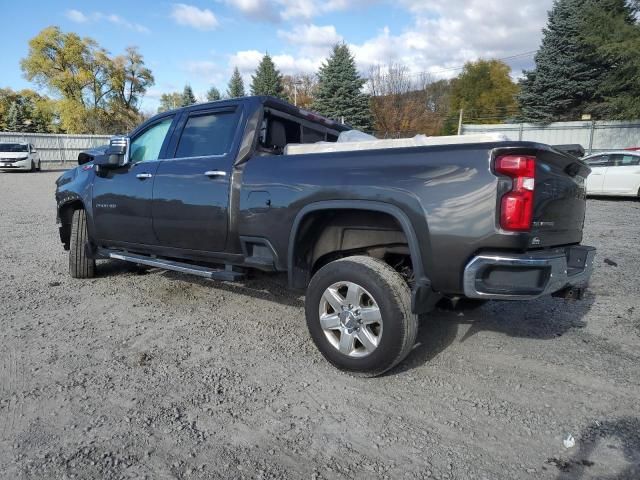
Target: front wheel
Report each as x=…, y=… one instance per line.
x=359, y=315
x=80, y=264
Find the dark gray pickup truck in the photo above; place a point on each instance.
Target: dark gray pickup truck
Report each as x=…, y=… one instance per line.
x=375, y=236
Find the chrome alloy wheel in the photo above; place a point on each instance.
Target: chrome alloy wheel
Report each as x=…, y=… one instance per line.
x=351, y=319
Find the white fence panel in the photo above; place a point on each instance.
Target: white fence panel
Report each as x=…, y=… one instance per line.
x=593, y=136
x=54, y=147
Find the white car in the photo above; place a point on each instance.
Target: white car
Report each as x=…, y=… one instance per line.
x=614, y=173
x=19, y=156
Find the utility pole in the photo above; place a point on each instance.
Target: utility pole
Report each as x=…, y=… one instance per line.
x=295, y=91
x=460, y=122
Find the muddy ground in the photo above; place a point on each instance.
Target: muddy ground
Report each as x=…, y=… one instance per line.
x=162, y=375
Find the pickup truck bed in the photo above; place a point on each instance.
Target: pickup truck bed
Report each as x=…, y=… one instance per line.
x=387, y=230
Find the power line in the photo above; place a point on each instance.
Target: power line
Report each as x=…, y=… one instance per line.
x=461, y=67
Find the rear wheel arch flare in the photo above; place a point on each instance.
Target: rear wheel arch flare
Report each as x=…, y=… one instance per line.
x=297, y=280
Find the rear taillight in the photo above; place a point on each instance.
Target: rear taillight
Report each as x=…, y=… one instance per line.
x=516, y=208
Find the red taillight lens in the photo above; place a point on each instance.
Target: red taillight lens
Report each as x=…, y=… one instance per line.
x=516, y=212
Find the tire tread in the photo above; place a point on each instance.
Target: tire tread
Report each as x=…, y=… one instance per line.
x=80, y=265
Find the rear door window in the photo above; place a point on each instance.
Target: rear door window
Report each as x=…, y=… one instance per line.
x=599, y=161
x=207, y=134
x=625, y=160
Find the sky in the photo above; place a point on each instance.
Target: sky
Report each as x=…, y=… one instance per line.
x=200, y=41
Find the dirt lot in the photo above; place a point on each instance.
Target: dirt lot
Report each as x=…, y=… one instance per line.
x=166, y=376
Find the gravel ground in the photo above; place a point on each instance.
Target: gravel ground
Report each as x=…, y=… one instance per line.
x=161, y=375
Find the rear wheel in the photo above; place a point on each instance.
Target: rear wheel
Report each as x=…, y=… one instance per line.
x=359, y=315
x=80, y=265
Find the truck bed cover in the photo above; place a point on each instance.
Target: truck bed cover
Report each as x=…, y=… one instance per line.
x=417, y=141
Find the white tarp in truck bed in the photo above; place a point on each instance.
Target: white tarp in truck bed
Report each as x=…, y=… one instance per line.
x=417, y=141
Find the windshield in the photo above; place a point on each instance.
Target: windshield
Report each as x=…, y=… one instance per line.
x=13, y=147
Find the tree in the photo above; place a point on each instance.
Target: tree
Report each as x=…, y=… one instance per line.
x=485, y=91
x=267, y=79
x=96, y=93
x=568, y=71
x=15, y=118
x=611, y=28
x=188, y=98
x=129, y=78
x=339, y=94
x=32, y=112
x=169, y=101
x=404, y=105
x=236, y=85
x=300, y=89
x=213, y=94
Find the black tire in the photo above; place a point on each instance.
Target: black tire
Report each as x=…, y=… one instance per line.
x=393, y=297
x=39, y=167
x=80, y=265
x=33, y=167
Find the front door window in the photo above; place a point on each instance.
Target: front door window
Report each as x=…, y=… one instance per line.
x=146, y=147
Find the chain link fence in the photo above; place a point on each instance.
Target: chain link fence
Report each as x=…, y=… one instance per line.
x=594, y=136
x=56, y=148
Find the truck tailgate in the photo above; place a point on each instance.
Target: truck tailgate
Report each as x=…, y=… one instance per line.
x=559, y=199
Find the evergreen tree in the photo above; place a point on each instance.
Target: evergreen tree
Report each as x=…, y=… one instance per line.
x=267, y=80
x=213, y=94
x=565, y=81
x=236, y=85
x=612, y=29
x=339, y=94
x=188, y=98
x=15, y=117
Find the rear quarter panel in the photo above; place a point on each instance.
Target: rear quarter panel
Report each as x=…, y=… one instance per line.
x=448, y=193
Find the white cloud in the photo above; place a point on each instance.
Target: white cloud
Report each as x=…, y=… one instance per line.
x=79, y=17
x=311, y=8
x=190, y=16
x=275, y=10
x=118, y=20
x=206, y=70
x=255, y=9
x=76, y=16
x=312, y=39
x=447, y=33
x=246, y=60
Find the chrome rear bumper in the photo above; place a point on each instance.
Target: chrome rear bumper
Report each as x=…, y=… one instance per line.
x=500, y=276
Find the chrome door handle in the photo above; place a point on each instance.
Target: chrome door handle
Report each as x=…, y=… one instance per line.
x=143, y=176
x=216, y=173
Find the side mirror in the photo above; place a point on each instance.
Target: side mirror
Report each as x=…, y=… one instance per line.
x=116, y=155
x=109, y=161
x=84, y=158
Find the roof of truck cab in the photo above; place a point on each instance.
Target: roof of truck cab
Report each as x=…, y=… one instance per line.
x=268, y=101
